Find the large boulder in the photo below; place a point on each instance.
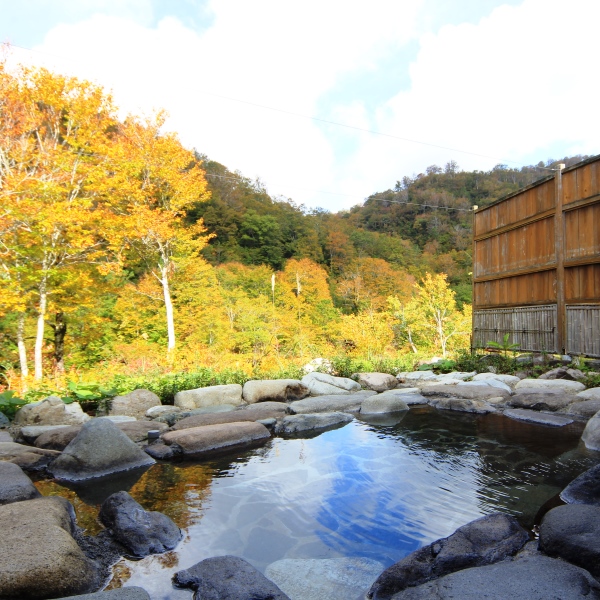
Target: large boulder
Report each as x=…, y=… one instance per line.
x=589, y=394
x=99, y=449
x=476, y=406
x=540, y=418
x=137, y=431
x=530, y=578
x=407, y=395
x=157, y=411
x=209, y=396
x=141, y=532
x=591, y=433
x=541, y=400
x=236, y=416
x=495, y=383
x=382, y=403
x=334, y=403
x=15, y=486
x=482, y=542
x=135, y=404
x=40, y=558
x=126, y=593
x=563, y=373
x=227, y=578
x=572, y=532
x=321, y=384
x=510, y=380
x=4, y=421
x=321, y=579
x=50, y=411
x=274, y=390
x=378, y=382
x=584, y=489
x=585, y=409
x=468, y=392
x=416, y=377
x=199, y=441
x=299, y=423
x=28, y=458
x=564, y=385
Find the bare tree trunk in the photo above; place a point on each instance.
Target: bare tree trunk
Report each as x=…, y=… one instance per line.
x=39, y=338
x=60, y=332
x=164, y=280
x=21, y=346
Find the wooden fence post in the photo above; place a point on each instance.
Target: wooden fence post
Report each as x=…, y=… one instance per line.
x=559, y=238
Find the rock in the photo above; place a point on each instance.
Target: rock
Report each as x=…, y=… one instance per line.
x=307, y=422
x=162, y=451
x=15, y=486
x=541, y=401
x=51, y=411
x=491, y=383
x=30, y=433
x=334, y=403
x=585, y=409
x=135, y=404
x=276, y=407
x=321, y=384
x=318, y=364
x=227, y=578
x=563, y=385
x=479, y=407
x=572, y=532
x=5, y=436
x=470, y=392
x=118, y=419
x=590, y=394
x=530, y=578
x=28, y=458
x=510, y=380
x=157, y=411
x=99, y=449
x=141, y=532
x=126, y=593
x=460, y=375
x=591, y=434
x=319, y=579
x=274, y=390
x=416, y=376
x=198, y=441
x=384, y=404
x=584, y=489
x=403, y=390
x=412, y=397
x=4, y=421
x=532, y=416
x=378, y=382
x=236, y=416
x=137, y=431
x=482, y=542
x=209, y=396
x=40, y=558
x=563, y=373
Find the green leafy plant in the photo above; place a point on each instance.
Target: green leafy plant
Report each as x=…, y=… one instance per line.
x=10, y=404
x=505, y=346
x=89, y=395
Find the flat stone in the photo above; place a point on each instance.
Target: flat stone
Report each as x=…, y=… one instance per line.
x=408, y=398
x=137, y=431
x=321, y=384
x=15, y=486
x=99, y=449
x=404, y=390
x=586, y=408
x=198, y=441
x=591, y=434
x=40, y=558
x=335, y=403
x=414, y=376
x=30, y=433
x=590, y=394
x=274, y=390
x=227, y=578
x=236, y=416
x=378, y=382
x=320, y=579
x=510, y=380
x=5, y=436
x=157, y=411
x=161, y=451
x=126, y=593
x=584, y=489
x=384, y=404
x=312, y=422
x=530, y=578
x=482, y=542
x=278, y=407
x=470, y=392
x=532, y=416
x=135, y=404
x=563, y=373
x=50, y=411
x=491, y=383
x=116, y=419
x=141, y=532
x=28, y=458
x=572, y=532
x=551, y=384
x=476, y=406
x=209, y=396
x=541, y=401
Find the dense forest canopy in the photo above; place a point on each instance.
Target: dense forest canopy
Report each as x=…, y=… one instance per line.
x=123, y=251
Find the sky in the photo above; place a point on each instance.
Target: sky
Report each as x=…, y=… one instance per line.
x=329, y=101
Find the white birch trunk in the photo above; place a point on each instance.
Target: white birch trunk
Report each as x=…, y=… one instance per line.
x=164, y=280
x=39, y=338
x=21, y=346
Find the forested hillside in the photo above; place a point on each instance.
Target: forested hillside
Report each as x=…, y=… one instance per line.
x=121, y=251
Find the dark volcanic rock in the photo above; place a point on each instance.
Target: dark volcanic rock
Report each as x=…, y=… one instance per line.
x=15, y=485
x=141, y=532
x=585, y=489
x=530, y=578
x=481, y=542
x=572, y=532
x=227, y=578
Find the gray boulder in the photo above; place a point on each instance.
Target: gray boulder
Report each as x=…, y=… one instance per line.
x=585, y=409
x=274, y=390
x=346, y=403
x=563, y=373
x=28, y=458
x=532, y=416
x=141, y=532
x=322, y=384
x=135, y=404
x=584, y=489
x=416, y=377
x=563, y=385
x=137, y=431
x=541, y=401
x=530, y=578
x=99, y=449
x=572, y=532
x=378, y=382
x=476, y=406
x=468, y=392
x=510, y=380
x=4, y=421
x=227, y=578
x=236, y=416
x=320, y=579
x=40, y=558
x=209, y=396
x=589, y=394
x=591, y=433
x=495, y=383
x=482, y=542
x=126, y=593
x=157, y=411
x=50, y=411
x=382, y=403
x=15, y=486
x=30, y=433
x=299, y=423
x=198, y=441
x=408, y=395
x=278, y=407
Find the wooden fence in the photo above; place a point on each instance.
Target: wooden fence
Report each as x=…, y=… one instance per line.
x=536, y=272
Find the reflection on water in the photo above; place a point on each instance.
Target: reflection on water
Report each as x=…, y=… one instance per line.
x=378, y=490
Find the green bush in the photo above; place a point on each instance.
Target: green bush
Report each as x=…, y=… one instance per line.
x=10, y=404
